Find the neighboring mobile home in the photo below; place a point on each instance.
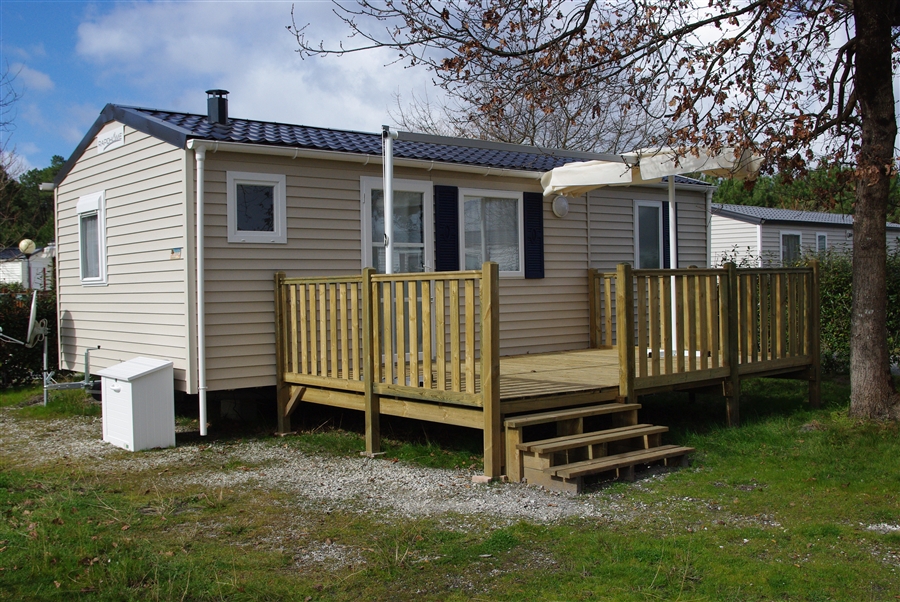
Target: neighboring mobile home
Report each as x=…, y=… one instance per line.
x=34, y=271
x=308, y=201
x=764, y=236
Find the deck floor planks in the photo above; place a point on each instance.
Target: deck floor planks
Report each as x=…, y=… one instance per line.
x=564, y=372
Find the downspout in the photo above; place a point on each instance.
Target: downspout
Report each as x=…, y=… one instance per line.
x=673, y=227
x=673, y=250
x=709, y=196
x=388, y=138
x=759, y=244
x=200, y=154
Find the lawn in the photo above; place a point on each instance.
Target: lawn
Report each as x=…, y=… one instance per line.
x=796, y=504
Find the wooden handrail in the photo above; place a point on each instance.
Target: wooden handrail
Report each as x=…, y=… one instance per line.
x=685, y=325
x=427, y=337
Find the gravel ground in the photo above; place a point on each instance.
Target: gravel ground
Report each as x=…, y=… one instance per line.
x=364, y=485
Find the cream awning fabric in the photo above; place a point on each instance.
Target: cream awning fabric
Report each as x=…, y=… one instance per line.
x=646, y=166
x=661, y=162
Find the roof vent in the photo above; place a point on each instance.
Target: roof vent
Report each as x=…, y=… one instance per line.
x=217, y=106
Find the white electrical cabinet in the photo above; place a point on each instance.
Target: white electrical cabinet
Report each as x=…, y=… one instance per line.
x=139, y=404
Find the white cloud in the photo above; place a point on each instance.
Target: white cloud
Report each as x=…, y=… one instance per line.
x=32, y=79
x=29, y=148
x=173, y=52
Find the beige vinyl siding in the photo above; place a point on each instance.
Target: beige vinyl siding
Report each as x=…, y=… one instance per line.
x=612, y=225
x=142, y=309
x=771, y=238
x=691, y=212
x=324, y=238
x=733, y=239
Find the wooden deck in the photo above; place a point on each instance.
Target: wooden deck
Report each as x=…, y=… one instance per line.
x=562, y=379
x=356, y=342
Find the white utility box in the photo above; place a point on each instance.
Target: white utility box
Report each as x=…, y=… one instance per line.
x=139, y=404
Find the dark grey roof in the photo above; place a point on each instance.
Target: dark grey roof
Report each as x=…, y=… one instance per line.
x=177, y=128
x=761, y=215
x=10, y=253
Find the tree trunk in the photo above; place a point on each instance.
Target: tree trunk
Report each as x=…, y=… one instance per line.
x=872, y=390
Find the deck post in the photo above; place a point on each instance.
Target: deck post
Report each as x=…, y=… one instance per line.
x=815, y=372
x=490, y=368
x=283, y=390
x=625, y=331
x=372, y=401
x=730, y=309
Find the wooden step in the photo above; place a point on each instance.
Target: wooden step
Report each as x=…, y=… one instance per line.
x=517, y=422
x=566, y=442
x=597, y=465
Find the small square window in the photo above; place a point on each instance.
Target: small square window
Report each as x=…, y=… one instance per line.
x=92, y=238
x=256, y=208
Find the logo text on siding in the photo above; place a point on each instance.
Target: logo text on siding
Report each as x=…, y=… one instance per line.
x=111, y=139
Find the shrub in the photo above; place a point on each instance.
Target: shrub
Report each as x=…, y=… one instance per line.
x=836, y=299
x=835, y=287
x=18, y=364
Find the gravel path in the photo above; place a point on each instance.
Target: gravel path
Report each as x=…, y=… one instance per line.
x=356, y=484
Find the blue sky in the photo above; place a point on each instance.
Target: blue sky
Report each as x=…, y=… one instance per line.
x=74, y=57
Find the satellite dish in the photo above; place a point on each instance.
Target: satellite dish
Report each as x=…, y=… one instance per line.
x=36, y=330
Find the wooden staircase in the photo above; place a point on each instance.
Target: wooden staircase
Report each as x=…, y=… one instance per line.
x=559, y=449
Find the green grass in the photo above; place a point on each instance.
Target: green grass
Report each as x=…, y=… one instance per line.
x=774, y=510
x=73, y=402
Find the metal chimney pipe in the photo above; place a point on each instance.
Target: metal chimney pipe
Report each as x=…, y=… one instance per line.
x=217, y=106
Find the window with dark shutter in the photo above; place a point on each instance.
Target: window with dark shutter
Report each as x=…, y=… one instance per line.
x=533, y=210
x=446, y=228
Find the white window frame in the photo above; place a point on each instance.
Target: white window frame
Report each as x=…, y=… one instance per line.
x=781, y=235
x=823, y=235
x=637, y=233
x=497, y=194
x=278, y=182
x=426, y=187
x=89, y=205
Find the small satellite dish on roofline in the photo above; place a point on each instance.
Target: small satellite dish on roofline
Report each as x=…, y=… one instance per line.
x=37, y=330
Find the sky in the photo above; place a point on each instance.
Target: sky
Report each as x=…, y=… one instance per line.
x=72, y=58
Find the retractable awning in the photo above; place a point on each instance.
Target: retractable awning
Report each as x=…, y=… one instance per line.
x=647, y=166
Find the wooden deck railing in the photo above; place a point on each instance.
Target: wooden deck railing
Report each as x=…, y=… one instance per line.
x=680, y=326
x=431, y=338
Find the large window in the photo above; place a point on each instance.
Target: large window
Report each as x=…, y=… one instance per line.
x=92, y=238
x=492, y=230
x=790, y=247
x=648, y=234
x=256, y=208
x=413, y=244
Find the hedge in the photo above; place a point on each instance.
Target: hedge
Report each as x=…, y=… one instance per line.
x=18, y=364
x=836, y=299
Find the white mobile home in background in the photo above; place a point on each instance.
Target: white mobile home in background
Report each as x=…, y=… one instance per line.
x=766, y=236
x=34, y=271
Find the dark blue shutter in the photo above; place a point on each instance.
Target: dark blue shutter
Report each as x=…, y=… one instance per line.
x=446, y=228
x=666, y=255
x=533, y=210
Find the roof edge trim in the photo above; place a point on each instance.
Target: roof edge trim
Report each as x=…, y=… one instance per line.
x=506, y=146
x=296, y=152
x=146, y=124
